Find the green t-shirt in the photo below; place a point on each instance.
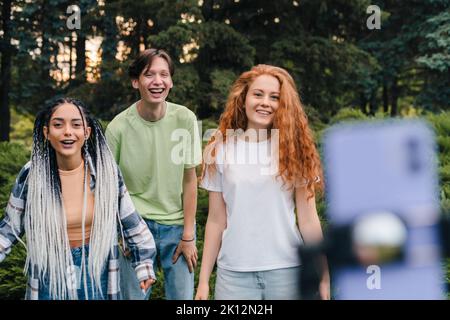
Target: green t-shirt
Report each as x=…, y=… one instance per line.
x=152, y=157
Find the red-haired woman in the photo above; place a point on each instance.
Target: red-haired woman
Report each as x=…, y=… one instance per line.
x=261, y=169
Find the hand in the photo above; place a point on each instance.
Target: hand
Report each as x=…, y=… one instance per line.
x=146, y=284
x=324, y=289
x=189, y=251
x=202, y=292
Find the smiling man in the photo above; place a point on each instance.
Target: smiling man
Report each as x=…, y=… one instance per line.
x=163, y=188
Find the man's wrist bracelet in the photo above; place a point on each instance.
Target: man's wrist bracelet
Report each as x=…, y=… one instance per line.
x=187, y=240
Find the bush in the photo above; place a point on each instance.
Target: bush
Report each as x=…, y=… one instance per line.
x=12, y=279
x=314, y=118
x=348, y=114
x=12, y=158
x=22, y=128
x=444, y=173
x=443, y=143
x=441, y=125
x=221, y=82
x=185, y=90
x=440, y=122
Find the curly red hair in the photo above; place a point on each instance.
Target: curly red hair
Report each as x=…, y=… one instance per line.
x=299, y=160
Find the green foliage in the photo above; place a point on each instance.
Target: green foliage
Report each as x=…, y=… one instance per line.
x=435, y=59
x=436, y=48
x=12, y=158
x=444, y=144
x=440, y=122
x=224, y=47
x=348, y=114
x=445, y=205
x=167, y=13
x=173, y=39
x=22, y=128
x=209, y=124
x=315, y=119
x=444, y=173
x=441, y=125
x=317, y=63
x=158, y=287
x=98, y=97
x=12, y=279
x=412, y=50
x=221, y=82
x=185, y=86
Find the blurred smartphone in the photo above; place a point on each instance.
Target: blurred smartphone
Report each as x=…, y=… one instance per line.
x=382, y=187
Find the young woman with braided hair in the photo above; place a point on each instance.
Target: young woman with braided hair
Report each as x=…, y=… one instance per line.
x=72, y=205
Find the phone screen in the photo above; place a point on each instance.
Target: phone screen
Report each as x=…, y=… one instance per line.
x=381, y=181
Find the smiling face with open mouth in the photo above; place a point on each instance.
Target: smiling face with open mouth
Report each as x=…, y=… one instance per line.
x=155, y=82
x=262, y=101
x=66, y=133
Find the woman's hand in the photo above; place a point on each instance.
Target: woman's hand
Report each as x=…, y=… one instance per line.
x=202, y=292
x=324, y=289
x=146, y=284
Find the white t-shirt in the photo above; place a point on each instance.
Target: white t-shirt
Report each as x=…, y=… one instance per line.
x=261, y=231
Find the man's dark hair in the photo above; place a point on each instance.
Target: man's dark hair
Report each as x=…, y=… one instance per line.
x=145, y=59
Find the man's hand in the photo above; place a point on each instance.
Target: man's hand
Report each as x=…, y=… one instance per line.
x=189, y=251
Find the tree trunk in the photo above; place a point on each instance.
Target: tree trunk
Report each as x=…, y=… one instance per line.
x=5, y=115
x=136, y=38
x=71, y=58
x=80, y=67
x=109, y=44
x=45, y=56
x=144, y=32
x=207, y=9
x=385, y=97
x=363, y=103
x=373, y=103
x=394, y=98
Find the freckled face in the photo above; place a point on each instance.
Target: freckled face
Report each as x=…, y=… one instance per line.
x=261, y=102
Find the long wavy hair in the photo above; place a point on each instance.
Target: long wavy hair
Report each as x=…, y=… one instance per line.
x=299, y=161
x=48, y=250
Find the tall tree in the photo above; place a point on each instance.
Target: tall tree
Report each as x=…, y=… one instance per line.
x=90, y=21
x=312, y=39
x=109, y=43
x=434, y=63
x=6, y=49
x=407, y=33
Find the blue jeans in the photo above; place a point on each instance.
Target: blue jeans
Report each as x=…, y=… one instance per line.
x=277, y=284
x=178, y=281
x=44, y=293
